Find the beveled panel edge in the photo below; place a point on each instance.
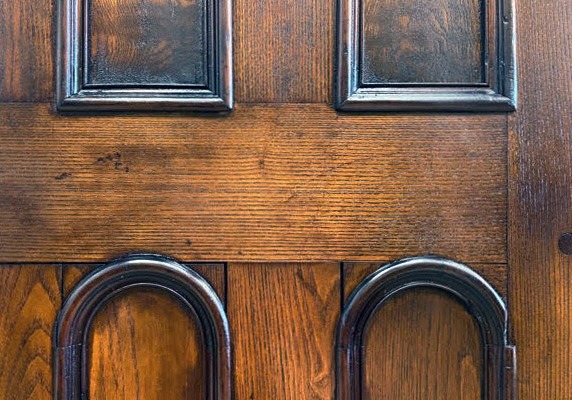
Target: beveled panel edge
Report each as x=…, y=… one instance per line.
x=141, y=270
x=499, y=94
x=73, y=95
x=477, y=296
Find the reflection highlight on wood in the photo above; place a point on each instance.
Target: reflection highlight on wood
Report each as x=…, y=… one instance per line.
x=143, y=345
x=29, y=301
x=147, y=42
x=495, y=274
x=422, y=41
x=469, y=289
x=422, y=345
x=213, y=273
x=78, y=351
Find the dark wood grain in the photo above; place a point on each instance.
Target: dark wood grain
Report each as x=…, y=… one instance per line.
x=26, y=50
x=144, y=345
x=495, y=274
x=125, y=55
x=422, y=344
x=438, y=56
x=540, y=187
x=420, y=41
x=284, y=50
x=483, y=306
x=29, y=300
x=214, y=274
x=295, y=182
x=147, y=42
x=283, y=319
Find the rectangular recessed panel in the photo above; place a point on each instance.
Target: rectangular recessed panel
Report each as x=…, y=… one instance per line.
x=146, y=42
x=421, y=55
x=145, y=55
x=437, y=41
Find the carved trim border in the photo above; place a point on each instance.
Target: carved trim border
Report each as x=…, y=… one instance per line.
x=479, y=298
x=74, y=320
x=72, y=94
x=498, y=94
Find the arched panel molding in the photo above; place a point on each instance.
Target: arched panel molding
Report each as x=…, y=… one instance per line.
x=468, y=287
x=141, y=270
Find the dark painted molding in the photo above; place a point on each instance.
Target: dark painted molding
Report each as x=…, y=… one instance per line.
x=499, y=93
x=73, y=323
x=479, y=298
x=74, y=94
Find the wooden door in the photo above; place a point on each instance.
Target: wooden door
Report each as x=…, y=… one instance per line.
x=287, y=199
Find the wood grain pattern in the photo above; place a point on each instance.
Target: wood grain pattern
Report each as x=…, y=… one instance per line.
x=421, y=41
x=473, y=294
x=29, y=300
x=150, y=55
x=147, y=42
x=144, y=345
x=422, y=344
x=382, y=45
x=152, y=304
x=495, y=274
x=26, y=50
x=283, y=319
x=284, y=50
x=214, y=274
x=540, y=201
x=295, y=182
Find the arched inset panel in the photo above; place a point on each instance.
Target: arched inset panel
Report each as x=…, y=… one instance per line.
x=481, y=308
x=137, y=283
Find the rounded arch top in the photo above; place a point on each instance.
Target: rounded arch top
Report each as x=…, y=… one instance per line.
x=139, y=270
x=480, y=299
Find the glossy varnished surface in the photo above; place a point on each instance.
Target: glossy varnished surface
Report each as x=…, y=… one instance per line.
x=144, y=345
x=142, y=315
x=214, y=274
x=29, y=301
x=355, y=272
x=295, y=182
x=445, y=369
x=283, y=319
x=422, y=41
x=427, y=339
x=147, y=42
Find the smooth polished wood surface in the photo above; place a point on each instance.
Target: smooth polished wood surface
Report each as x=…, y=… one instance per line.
x=283, y=319
x=423, y=42
x=26, y=50
x=355, y=272
x=294, y=182
x=284, y=51
x=422, y=344
x=29, y=300
x=147, y=42
x=540, y=182
x=144, y=345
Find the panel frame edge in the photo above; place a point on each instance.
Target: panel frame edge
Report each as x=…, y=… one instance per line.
x=73, y=95
x=480, y=299
x=139, y=270
x=499, y=94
